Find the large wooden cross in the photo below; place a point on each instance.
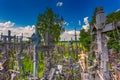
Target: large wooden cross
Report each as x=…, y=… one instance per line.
x=99, y=29
x=36, y=38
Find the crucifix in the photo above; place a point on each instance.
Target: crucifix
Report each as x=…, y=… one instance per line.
x=36, y=38
x=100, y=29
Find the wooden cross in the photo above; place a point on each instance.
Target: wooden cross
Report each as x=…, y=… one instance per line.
x=49, y=43
x=6, y=41
x=100, y=29
x=36, y=38
x=51, y=74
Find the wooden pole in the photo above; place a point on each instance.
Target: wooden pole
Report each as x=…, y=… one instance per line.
x=35, y=56
x=101, y=44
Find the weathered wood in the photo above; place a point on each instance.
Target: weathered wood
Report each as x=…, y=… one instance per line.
x=45, y=48
x=85, y=76
x=107, y=28
x=111, y=27
x=50, y=76
x=49, y=42
x=100, y=16
x=100, y=29
x=9, y=44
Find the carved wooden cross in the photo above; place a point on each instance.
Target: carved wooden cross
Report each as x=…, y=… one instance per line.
x=99, y=29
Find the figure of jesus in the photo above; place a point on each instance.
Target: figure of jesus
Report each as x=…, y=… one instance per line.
x=1, y=66
x=82, y=60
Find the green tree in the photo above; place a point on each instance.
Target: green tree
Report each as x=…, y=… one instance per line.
x=113, y=17
x=114, y=35
x=49, y=21
x=93, y=18
x=85, y=39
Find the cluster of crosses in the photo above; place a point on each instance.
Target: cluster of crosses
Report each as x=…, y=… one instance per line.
x=10, y=45
x=100, y=28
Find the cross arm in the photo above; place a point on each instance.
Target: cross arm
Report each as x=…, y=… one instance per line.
x=118, y=24
x=111, y=27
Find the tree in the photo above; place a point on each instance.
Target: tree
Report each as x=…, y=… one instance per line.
x=94, y=17
x=85, y=39
x=49, y=21
x=114, y=35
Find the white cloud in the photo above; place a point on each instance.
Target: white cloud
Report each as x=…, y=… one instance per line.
x=26, y=30
x=117, y=10
x=79, y=22
x=59, y=4
x=6, y=24
x=86, y=26
x=68, y=35
x=66, y=23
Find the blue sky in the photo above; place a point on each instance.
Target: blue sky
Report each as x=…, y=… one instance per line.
x=25, y=12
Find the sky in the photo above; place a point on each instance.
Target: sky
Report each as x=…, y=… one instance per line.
x=20, y=16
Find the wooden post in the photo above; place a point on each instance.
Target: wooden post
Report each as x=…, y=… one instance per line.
x=35, y=64
x=76, y=50
x=47, y=56
x=5, y=48
x=102, y=48
x=35, y=73
x=9, y=36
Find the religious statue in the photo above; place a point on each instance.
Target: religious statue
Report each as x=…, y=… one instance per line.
x=82, y=60
x=1, y=66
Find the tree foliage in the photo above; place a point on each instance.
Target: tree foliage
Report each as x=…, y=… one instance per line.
x=93, y=17
x=49, y=21
x=114, y=35
x=113, y=17
x=85, y=39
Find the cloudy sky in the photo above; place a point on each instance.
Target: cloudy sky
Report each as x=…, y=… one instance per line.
x=20, y=16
